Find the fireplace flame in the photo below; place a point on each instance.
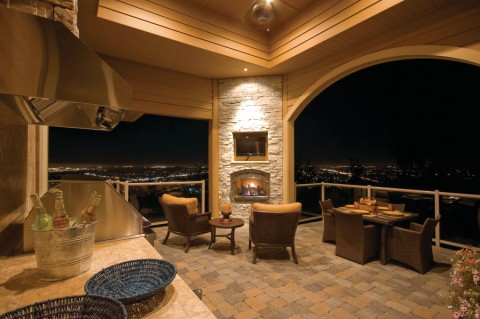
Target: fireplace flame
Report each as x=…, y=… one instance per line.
x=248, y=186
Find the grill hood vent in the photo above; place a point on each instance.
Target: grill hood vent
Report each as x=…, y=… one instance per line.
x=49, y=77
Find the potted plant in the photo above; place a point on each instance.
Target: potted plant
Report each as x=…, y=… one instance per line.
x=464, y=297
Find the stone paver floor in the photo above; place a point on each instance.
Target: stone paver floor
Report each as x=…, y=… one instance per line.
x=321, y=285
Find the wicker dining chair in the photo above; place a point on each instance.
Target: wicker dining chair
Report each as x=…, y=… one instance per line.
x=328, y=221
x=355, y=240
x=183, y=219
x=272, y=225
x=413, y=246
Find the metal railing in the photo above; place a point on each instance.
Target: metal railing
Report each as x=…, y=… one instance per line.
x=124, y=187
x=436, y=199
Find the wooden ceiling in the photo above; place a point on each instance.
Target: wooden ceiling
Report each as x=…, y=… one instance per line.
x=240, y=12
x=216, y=39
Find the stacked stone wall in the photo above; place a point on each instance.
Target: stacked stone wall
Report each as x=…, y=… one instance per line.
x=246, y=105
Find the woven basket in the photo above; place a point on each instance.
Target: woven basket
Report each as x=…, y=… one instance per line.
x=71, y=307
x=132, y=281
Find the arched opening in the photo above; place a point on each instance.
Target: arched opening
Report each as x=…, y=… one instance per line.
x=325, y=80
x=414, y=114
x=447, y=130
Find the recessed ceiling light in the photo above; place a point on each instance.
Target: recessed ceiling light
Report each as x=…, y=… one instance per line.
x=245, y=69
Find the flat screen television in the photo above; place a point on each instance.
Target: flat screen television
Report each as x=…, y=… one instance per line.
x=250, y=146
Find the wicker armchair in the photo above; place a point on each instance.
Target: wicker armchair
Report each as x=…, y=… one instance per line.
x=355, y=241
x=183, y=222
x=272, y=226
x=328, y=220
x=413, y=246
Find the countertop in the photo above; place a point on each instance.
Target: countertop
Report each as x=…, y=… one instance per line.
x=20, y=286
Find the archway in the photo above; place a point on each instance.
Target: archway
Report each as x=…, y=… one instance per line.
x=412, y=52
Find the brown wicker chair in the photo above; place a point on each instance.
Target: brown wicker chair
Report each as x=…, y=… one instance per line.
x=413, y=246
x=182, y=222
x=272, y=226
x=355, y=241
x=328, y=221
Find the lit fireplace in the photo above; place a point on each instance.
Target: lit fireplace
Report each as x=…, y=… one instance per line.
x=250, y=188
x=250, y=185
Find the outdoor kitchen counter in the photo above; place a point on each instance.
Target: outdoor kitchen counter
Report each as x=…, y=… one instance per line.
x=20, y=286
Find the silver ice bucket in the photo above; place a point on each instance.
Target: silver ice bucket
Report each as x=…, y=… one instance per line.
x=63, y=253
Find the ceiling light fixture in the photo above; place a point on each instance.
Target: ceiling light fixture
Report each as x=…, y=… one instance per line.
x=262, y=11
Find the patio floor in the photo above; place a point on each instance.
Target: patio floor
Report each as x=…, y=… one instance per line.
x=321, y=285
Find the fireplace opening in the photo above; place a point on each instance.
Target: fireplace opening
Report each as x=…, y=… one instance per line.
x=250, y=186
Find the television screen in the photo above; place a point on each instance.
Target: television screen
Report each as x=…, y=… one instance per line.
x=249, y=145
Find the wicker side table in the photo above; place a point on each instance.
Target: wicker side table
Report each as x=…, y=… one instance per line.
x=216, y=223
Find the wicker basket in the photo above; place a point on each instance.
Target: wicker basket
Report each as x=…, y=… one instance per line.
x=71, y=307
x=132, y=281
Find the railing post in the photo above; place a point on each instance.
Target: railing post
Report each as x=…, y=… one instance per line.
x=369, y=191
x=126, y=190
x=323, y=191
x=437, y=213
x=117, y=185
x=203, y=196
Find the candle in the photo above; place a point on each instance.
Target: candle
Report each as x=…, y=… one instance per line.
x=226, y=207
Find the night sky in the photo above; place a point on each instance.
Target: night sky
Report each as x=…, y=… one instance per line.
x=418, y=110
x=149, y=140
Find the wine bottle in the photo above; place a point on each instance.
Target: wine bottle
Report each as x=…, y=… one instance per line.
x=43, y=220
x=60, y=219
x=88, y=213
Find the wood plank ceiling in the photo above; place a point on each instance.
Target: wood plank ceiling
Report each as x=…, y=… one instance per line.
x=216, y=38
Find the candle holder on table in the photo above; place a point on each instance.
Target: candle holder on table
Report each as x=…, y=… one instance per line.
x=226, y=211
x=225, y=208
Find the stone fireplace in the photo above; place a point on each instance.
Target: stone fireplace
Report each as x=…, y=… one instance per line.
x=250, y=107
x=250, y=185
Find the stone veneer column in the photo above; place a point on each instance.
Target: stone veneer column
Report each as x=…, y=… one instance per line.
x=251, y=104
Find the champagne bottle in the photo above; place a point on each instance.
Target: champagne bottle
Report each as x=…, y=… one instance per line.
x=43, y=220
x=88, y=213
x=60, y=219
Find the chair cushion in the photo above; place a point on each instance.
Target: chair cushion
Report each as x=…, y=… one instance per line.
x=277, y=208
x=274, y=208
x=191, y=203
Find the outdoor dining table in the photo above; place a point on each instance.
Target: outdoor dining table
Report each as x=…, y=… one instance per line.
x=386, y=221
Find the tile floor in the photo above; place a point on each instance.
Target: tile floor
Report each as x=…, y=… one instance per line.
x=321, y=285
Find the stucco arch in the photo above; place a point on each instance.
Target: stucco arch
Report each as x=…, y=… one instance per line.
x=402, y=53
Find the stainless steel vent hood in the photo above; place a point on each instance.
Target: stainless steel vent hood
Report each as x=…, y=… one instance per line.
x=50, y=77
